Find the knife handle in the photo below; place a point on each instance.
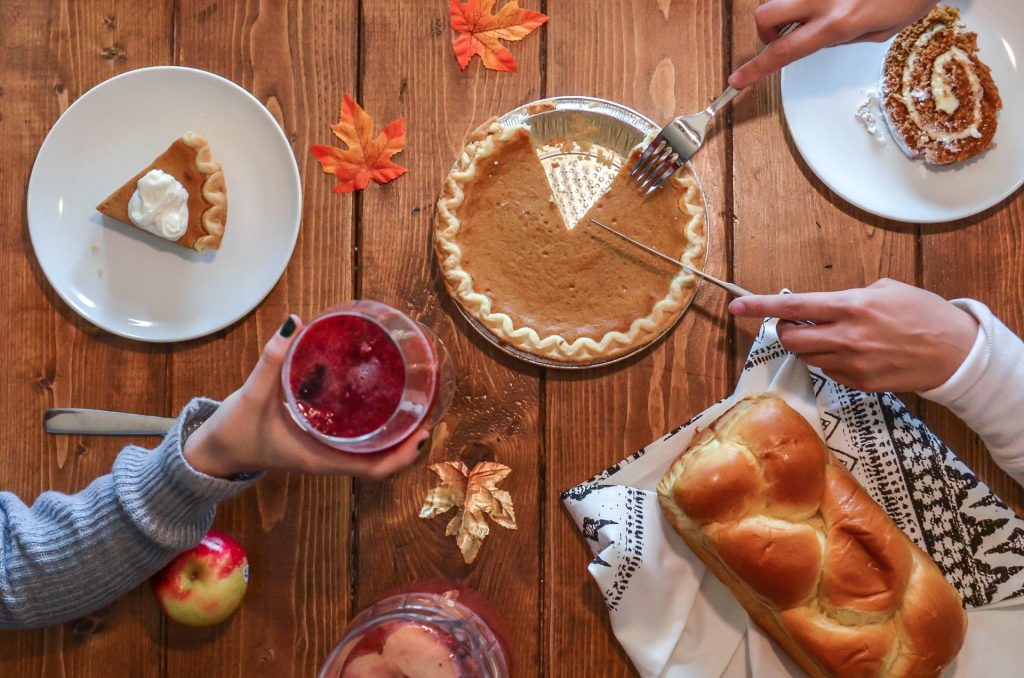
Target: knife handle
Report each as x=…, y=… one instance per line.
x=78, y=421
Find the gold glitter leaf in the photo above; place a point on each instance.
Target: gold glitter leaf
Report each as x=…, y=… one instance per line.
x=475, y=494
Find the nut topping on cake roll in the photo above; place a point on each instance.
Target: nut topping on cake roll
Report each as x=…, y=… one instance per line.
x=938, y=97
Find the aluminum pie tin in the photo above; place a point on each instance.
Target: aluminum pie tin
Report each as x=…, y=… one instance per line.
x=603, y=134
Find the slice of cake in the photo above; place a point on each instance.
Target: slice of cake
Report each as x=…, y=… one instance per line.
x=938, y=97
x=181, y=196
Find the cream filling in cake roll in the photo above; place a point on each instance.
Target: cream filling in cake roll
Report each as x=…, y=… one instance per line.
x=941, y=89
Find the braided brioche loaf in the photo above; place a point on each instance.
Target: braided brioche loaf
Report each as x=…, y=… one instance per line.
x=814, y=560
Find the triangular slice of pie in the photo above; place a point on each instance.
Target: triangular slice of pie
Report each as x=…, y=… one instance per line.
x=575, y=295
x=194, y=219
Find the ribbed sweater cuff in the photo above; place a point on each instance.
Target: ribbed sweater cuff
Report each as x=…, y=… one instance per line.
x=163, y=495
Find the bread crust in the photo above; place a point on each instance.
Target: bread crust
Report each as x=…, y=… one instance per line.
x=879, y=606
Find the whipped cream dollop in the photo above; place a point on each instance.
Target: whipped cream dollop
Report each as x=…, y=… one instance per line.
x=869, y=114
x=160, y=205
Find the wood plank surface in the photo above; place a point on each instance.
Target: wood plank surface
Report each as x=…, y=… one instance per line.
x=409, y=69
x=321, y=549
x=295, y=529
x=639, y=54
x=789, y=229
x=53, y=52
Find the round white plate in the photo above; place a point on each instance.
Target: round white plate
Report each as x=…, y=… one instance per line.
x=129, y=282
x=820, y=95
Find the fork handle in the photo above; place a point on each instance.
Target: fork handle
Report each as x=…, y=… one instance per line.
x=730, y=92
x=724, y=98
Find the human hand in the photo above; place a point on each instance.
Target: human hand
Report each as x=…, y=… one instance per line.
x=252, y=431
x=824, y=23
x=888, y=336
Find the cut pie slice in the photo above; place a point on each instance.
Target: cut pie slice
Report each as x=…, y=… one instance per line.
x=576, y=295
x=189, y=162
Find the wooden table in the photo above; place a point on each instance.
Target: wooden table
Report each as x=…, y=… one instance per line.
x=322, y=548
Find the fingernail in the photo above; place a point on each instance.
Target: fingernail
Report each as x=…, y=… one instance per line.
x=423, y=445
x=737, y=306
x=288, y=328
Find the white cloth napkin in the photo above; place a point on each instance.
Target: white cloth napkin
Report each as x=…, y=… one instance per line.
x=674, y=619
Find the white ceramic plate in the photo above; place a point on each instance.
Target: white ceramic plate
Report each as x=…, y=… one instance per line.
x=131, y=283
x=821, y=93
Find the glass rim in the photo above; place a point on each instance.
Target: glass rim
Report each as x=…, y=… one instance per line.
x=440, y=617
x=351, y=308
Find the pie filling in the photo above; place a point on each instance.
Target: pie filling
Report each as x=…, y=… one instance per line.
x=573, y=294
x=189, y=161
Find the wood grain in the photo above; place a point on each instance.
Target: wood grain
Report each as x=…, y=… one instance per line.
x=409, y=69
x=640, y=54
x=52, y=52
x=295, y=529
x=790, y=230
x=980, y=258
x=315, y=563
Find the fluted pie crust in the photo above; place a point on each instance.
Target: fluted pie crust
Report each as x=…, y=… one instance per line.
x=576, y=295
x=190, y=161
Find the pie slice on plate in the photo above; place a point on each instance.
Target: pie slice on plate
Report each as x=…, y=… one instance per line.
x=577, y=294
x=181, y=196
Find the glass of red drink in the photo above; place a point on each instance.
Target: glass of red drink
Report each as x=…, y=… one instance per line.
x=364, y=376
x=433, y=629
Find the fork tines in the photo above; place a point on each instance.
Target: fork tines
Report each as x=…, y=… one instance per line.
x=657, y=163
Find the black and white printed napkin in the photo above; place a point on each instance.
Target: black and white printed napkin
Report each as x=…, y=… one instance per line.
x=675, y=619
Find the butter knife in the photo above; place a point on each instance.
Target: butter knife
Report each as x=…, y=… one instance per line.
x=729, y=287
x=78, y=421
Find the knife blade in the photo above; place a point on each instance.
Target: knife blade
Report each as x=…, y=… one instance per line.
x=79, y=421
x=729, y=287
x=735, y=290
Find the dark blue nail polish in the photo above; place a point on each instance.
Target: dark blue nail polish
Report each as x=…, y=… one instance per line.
x=288, y=328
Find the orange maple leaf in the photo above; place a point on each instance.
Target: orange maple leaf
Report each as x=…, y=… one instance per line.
x=478, y=31
x=364, y=157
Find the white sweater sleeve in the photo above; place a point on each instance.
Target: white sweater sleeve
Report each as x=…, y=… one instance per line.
x=987, y=390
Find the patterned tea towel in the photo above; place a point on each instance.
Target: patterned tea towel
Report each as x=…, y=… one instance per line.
x=674, y=619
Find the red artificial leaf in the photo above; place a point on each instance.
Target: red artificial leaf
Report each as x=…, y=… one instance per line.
x=478, y=31
x=364, y=157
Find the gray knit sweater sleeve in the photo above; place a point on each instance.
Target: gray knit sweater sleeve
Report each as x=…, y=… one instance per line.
x=68, y=555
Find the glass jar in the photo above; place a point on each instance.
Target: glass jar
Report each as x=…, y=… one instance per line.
x=433, y=629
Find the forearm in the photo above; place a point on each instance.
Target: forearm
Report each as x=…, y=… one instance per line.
x=987, y=391
x=68, y=555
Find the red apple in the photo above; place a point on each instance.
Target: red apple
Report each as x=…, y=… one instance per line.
x=205, y=584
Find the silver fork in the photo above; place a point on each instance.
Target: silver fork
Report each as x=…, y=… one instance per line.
x=681, y=138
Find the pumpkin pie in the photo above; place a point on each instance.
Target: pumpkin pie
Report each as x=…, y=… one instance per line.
x=190, y=163
x=573, y=293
